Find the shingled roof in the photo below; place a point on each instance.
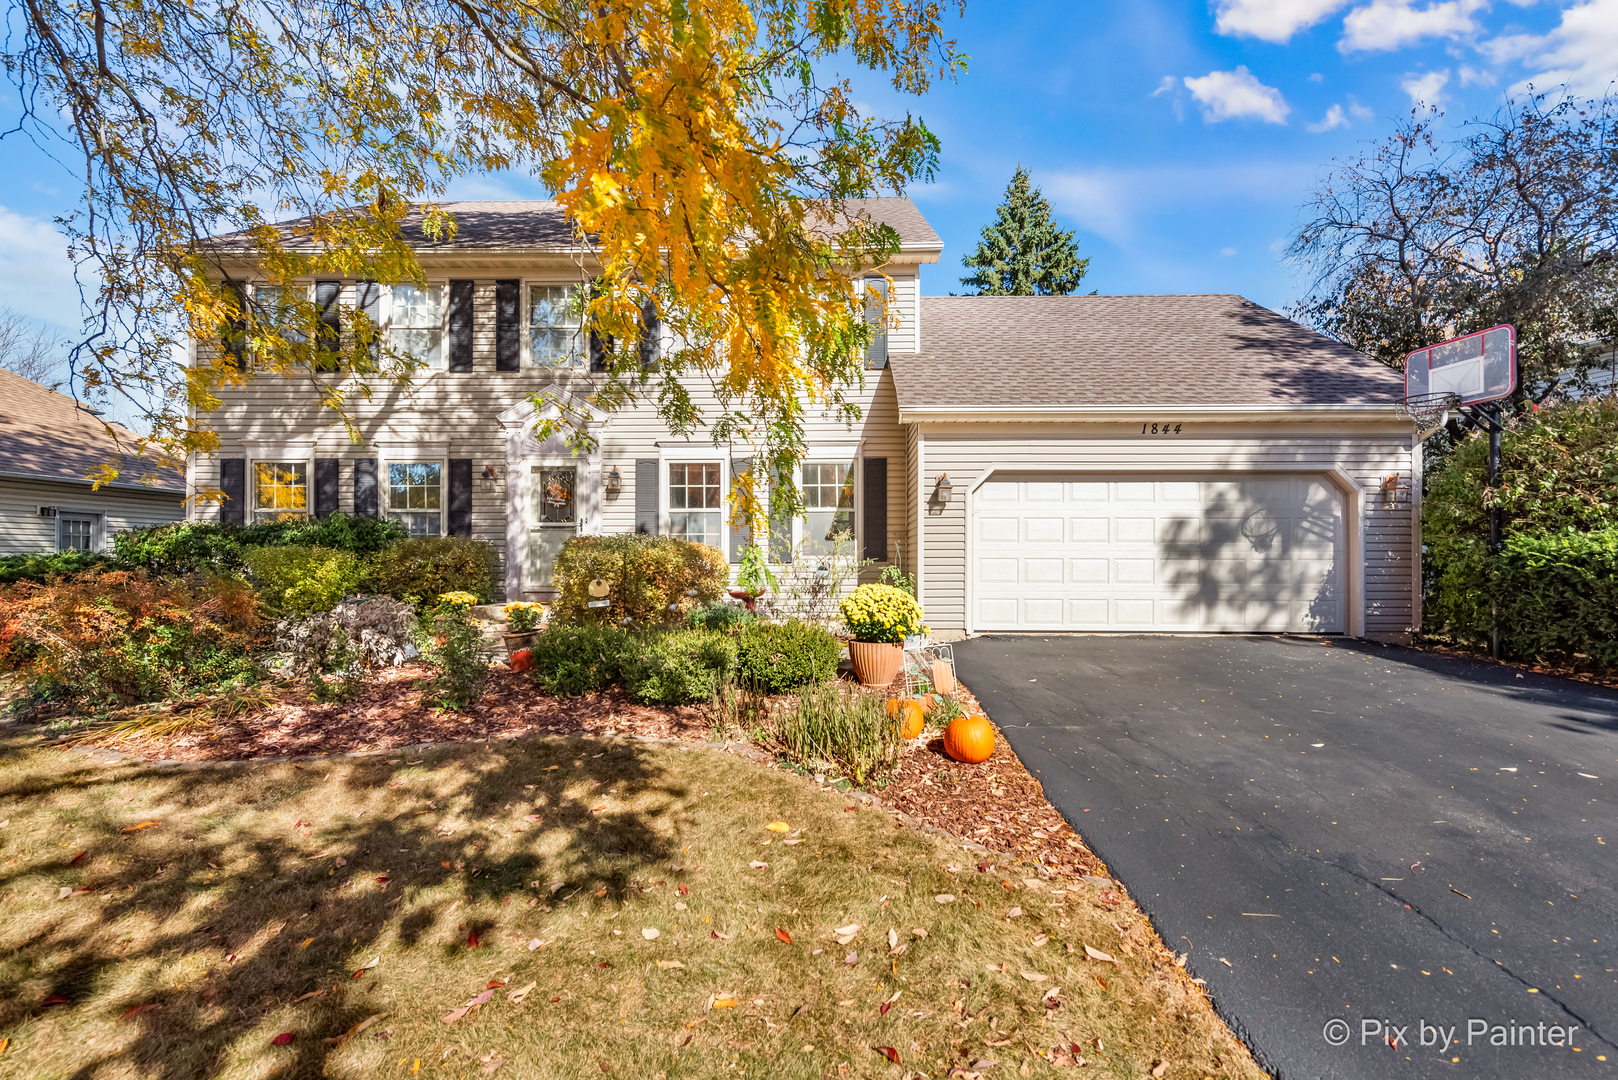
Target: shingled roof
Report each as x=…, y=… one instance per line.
x=538, y=223
x=45, y=435
x=1063, y=351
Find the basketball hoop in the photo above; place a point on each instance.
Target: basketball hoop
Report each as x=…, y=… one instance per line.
x=1428, y=410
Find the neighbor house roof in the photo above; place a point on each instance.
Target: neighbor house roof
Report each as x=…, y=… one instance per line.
x=1033, y=352
x=539, y=223
x=45, y=435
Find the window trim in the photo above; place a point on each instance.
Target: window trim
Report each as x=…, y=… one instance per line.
x=97, y=540
x=385, y=319
x=413, y=454
x=665, y=513
x=299, y=456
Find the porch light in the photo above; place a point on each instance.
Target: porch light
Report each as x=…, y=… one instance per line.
x=489, y=477
x=941, y=491
x=615, y=481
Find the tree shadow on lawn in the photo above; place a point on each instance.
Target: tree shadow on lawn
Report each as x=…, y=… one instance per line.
x=259, y=886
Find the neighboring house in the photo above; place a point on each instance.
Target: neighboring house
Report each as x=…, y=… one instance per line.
x=1180, y=463
x=49, y=444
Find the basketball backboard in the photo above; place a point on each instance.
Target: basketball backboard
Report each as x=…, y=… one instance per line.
x=1465, y=370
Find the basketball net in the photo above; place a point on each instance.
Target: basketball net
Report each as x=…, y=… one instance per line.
x=1428, y=410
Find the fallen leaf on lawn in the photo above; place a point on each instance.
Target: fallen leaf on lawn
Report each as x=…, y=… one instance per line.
x=283, y=1039
x=65, y=892
x=893, y=938
x=383, y=880
x=789, y=841
x=598, y=809
x=783, y=935
x=919, y=932
x=148, y=825
x=1051, y=993
x=472, y=940
x=471, y=1004
x=532, y=817
x=306, y=943
x=724, y=1003
x=7, y=1040
x=1159, y=1069
x=1097, y=954
x=944, y=898
x=778, y=826
x=1014, y=913
x=844, y=934
x=1102, y=981
x=55, y=999
x=1033, y=883
x=1041, y=940
x=496, y=984
x=1034, y=976
x=495, y=1062
x=139, y=1009
x=516, y=996
x=852, y=958
x=341, y=861
x=888, y=1052
x=339, y=1040
x=669, y=964
x=684, y=891
x=651, y=933
x=717, y=934
x=756, y=865
x=310, y=994
x=375, y=960
x=984, y=1063
x=75, y=860
x=534, y=943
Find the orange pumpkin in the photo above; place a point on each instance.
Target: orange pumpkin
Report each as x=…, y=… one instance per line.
x=912, y=720
x=969, y=739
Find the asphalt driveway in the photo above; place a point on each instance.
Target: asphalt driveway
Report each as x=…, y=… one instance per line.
x=1378, y=836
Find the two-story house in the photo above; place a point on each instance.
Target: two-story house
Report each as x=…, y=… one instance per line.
x=1086, y=463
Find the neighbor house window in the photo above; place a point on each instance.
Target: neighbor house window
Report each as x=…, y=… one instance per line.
x=416, y=325
x=415, y=496
x=828, y=503
x=74, y=533
x=280, y=490
x=553, y=326
x=696, y=498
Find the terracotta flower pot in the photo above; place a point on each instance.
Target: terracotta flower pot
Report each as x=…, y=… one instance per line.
x=517, y=642
x=876, y=663
x=522, y=660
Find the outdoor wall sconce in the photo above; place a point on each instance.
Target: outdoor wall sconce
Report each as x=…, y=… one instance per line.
x=614, y=481
x=489, y=478
x=941, y=491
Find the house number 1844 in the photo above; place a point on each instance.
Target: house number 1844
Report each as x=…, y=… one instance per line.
x=1160, y=429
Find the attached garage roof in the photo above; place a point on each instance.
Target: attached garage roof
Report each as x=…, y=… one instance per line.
x=1034, y=352
x=45, y=435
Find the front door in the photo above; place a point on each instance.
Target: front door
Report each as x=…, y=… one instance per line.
x=556, y=519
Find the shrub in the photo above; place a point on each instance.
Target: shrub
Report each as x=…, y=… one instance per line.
x=185, y=547
x=303, y=580
x=881, y=613
x=121, y=636
x=44, y=567
x=679, y=667
x=570, y=660
x=839, y=730
x=427, y=566
x=654, y=580
x=1557, y=597
x=461, y=654
x=720, y=615
x=776, y=657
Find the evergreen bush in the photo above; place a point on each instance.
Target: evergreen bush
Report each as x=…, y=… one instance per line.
x=297, y=580
x=422, y=568
x=777, y=657
x=679, y=667
x=44, y=567
x=572, y=660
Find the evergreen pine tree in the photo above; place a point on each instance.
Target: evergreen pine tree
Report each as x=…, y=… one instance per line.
x=1023, y=253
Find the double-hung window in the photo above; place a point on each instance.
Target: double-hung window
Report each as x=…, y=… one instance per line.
x=74, y=532
x=416, y=322
x=275, y=314
x=696, y=502
x=280, y=490
x=554, y=338
x=828, y=504
x=416, y=496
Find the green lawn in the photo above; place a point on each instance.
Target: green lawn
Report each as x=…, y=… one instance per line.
x=184, y=948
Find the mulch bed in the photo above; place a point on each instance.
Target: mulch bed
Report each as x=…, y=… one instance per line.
x=1597, y=678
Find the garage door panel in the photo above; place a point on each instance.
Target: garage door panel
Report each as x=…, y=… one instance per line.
x=1169, y=553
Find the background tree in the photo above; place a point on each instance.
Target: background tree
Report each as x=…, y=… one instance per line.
x=30, y=350
x=1513, y=219
x=1023, y=253
x=700, y=146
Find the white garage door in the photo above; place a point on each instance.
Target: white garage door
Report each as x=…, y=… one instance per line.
x=1164, y=553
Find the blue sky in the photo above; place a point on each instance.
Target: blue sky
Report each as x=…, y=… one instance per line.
x=1179, y=139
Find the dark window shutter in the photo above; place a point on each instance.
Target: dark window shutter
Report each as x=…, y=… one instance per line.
x=646, y=495
x=600, y=352
x=368, y=299
x=876, y=353
x=329, y=334
x=876, y=508
x=365, y=487
x=459, y=347
x=326, y=486
x=507, y=326
x=651, y=334
x=235, y=335
x=460, y=496
x=233, y=482
x=741, y=533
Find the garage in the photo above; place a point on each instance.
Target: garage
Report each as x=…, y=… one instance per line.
x=1081, y=552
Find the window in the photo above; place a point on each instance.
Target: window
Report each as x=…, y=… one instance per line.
x=553, y=326
x=828, y=502
x=280, y=490
x=273, y=309
x=415, y=496
x=555, y=485
x=696, y=495
x=74, y=533
x=417, y=323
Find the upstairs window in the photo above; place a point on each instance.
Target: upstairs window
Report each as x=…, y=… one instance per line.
x=416, y=325
x=280, y=490
x=553, y=326
x=696, y=499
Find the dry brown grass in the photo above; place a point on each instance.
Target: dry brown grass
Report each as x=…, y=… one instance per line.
x=246, y=911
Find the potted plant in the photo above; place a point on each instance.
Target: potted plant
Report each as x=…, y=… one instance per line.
x=522, y=618
x=879, y=617
x=753, y=577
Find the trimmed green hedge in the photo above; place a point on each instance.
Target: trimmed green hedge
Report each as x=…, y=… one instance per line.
x=41, y=568
x=777, y=657
x=680, y=667
x=425, y=567
x=185, y=547
x=1554, y=598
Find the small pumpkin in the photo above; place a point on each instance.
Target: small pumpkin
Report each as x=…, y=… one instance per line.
x=969, y=739
x=911, y=715
x=522, y=660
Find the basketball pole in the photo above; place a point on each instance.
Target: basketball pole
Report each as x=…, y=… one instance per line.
x=1494, y=415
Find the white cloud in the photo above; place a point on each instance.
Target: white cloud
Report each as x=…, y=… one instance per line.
x=1425, y=88
x=1581, y=53
x=36, y=277
x=1334, y=118
x=1358, y=111
x=1270, y=20
x=1384, y=25
x=1227, y=251
x=1165, y=84
x=1231, y=95
x=1471, y=76
x=1317, y=77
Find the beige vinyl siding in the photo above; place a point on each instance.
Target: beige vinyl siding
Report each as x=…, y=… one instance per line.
x=912, y=507
x=1367, y=454
x=23, y=531
x=906, y=337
